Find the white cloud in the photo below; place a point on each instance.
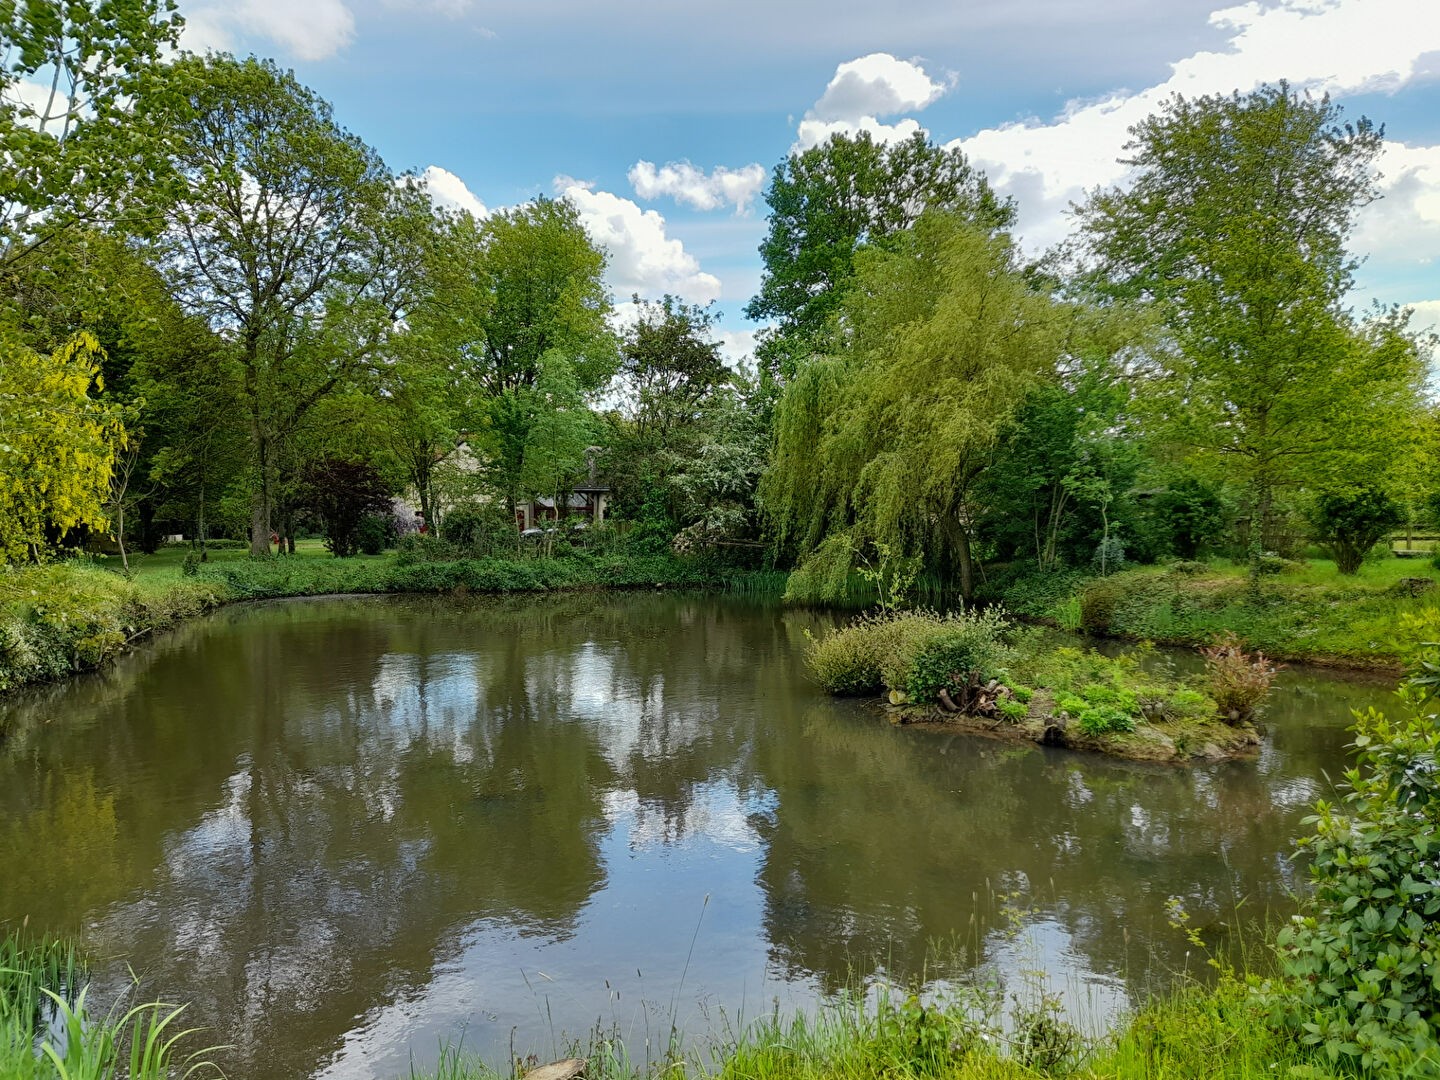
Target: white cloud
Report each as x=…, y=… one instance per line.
x=1327, y=45
x=737, y=346
x=643, y=259
x=1405, y=223
x=451, y=8
x=814, y=132
x=685, y=183
x=861, y=92
x=1427, y=315
x=876, y=85
x=306, y=29
x=449, y=192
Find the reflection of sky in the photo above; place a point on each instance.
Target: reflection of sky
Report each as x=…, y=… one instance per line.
x=333, y=880
x=625, y=966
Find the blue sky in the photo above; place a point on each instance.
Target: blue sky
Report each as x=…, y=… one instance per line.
x=574, y=96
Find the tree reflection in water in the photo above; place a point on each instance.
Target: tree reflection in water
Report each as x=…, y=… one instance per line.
x=347, y=828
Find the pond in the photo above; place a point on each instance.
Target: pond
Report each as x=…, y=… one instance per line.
x=347, y=830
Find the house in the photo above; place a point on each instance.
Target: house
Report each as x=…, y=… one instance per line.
x=586, y=500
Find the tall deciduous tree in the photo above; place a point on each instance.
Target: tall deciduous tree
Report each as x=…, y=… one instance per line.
x=830, y=200
x=1235, y=229
x=293, y=240
x=884, y=443
x=75, y=146
x=670, y=364
x=540, y=303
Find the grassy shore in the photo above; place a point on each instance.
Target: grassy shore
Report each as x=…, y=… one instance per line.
x=48, y=1031
x=63, y=618
x=1194, y=1033
x=1306, y=611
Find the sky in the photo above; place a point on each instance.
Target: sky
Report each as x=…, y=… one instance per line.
x=662, y=120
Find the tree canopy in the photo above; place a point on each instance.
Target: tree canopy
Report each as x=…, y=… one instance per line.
x=1235, y=232
x=829, y=201
x=883, y=442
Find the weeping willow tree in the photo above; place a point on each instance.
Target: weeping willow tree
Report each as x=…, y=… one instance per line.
x=879, y=446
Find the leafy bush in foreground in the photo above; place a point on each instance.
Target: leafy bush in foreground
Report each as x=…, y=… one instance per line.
x=1362, y=959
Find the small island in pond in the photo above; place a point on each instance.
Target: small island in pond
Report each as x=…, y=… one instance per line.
x=972, y=672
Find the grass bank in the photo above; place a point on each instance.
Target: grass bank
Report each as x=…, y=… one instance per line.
x=48, y=1031
x=1195, y=1033
x=1302, y=611
x=63, y=618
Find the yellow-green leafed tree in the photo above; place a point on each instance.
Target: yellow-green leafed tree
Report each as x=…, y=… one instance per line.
x=57, y=444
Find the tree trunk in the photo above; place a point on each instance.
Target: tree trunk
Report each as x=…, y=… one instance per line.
x=200, y=522
x=260, y=500
x=967, y=566
x=259, y=525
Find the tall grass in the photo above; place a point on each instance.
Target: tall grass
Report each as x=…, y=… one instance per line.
x=1195, y=1033
x=48, y=1030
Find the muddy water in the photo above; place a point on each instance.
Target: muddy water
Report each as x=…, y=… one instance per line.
x=347, y=830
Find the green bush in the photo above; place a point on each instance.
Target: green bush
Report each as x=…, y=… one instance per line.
x=1361, y=960
x=375, y=533
x=918, y=653
x=851, y=659
x=1013, y=709
x=948, y=654
x=417, y=547
x=1354, y=522
x=1097, y=605
x=481, y=531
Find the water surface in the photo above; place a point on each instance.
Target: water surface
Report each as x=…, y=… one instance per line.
x=349, y=829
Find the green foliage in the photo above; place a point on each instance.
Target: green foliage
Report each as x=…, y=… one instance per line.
x=1110, y=694
x=886, y=440
x=823, y=577
x=485, y=529
x=375, y=533
x=57, y=444
x=1361, y=959
x=58, y=619
x=951, y=654
x=915, y=653
x=82, y=153
x=1351, y=523
x=535, y=343
x=829, y=201
x=1063, y=466
x=1191, y=514
x=293, y=242
x=1309, y=611
x=1013, y=708
x=1269, y=385
x=850, y=660
x=1238, y=681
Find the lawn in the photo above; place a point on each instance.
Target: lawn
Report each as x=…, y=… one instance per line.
x=1306, y=611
